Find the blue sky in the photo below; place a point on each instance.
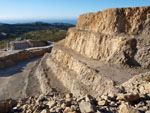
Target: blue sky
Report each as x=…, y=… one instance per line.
x=59, y=9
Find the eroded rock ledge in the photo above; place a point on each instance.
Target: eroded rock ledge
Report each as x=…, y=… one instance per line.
x=11, y=57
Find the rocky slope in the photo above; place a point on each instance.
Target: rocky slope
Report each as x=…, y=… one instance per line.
x=104, y=63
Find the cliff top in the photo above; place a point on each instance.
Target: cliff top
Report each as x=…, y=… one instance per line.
x=117, y=20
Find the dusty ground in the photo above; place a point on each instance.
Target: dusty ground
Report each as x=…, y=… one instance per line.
x=16, y=81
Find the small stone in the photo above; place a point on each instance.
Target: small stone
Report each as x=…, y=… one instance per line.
x=45, y=111
x=58, y=110
x=98, y=111
x=127, y=109
x=51, y=104
x=88, y=98
x=29, y=111
x=15, y=108
x=120, y=96
x=18, y=105
x=144, y=108
x=147, y=111
x=112, y=95
x=102, y=102
x=63, y=105
x=98, y=99
x=52, y=110
x=105, y=97
x=80, y=99
x=73, y=108
x=142, y=90
x=147, y=87
x=69, y=95
x=25, y=106
x=67, y=110
x=132, y=97
x=68, y=102
x=148, y=102
x=112, y=103
x=86, y=107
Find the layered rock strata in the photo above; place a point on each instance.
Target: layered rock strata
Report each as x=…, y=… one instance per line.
x=24, y=44
x=118, y=38
x=10, y=58
x=118, y=35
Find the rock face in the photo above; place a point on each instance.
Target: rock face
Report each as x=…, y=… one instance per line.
x=118, y=20
x=115, y=37
x=10, y=59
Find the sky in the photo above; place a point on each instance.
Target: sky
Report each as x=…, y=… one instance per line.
x=59, y=9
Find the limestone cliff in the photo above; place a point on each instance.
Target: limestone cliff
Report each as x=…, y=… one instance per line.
x=113, y=34
x=86, y=61
x=118, y=20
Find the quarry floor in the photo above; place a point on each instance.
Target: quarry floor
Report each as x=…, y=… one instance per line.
x=17, y=82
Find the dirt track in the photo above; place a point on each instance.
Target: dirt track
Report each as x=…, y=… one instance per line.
x=14, y=81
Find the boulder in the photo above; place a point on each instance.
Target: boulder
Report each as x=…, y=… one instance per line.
x=86, y=107
x=45, y=111
x=147, y=87
x=127, y=109
x=131, y=97
x=7, y=105
x=51, y=104
x=69, y=95
x=102, y=102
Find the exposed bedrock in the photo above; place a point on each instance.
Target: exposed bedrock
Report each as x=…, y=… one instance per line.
x=10, y=59
x=119, y=35
x=87, y=61
x=117, y=20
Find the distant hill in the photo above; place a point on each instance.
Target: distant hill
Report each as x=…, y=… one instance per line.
x=69, y=21
x=47, y=35
x=16, y=30
x=35, y=31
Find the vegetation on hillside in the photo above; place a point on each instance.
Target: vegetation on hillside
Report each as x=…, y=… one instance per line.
x=16, y=30
x=35, y=31
x=48, y=35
